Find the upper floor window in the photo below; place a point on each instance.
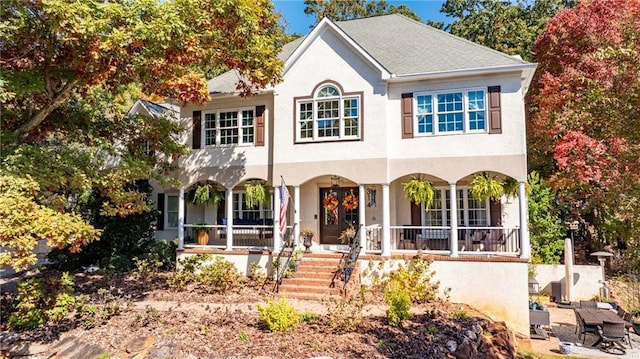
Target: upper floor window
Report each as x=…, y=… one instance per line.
x=229, y=127
x=329, y=115
x=451, y=112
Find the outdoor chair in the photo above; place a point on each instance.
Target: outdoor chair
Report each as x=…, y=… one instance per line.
x=627, y=317
x=612, y=335
x=582, y=329
x=539, y=323
x=588, y=304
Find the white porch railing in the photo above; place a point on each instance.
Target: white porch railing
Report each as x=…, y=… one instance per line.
x=244, y=236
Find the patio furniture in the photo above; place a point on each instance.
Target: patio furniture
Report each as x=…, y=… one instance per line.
x=588, y=304
x=593, y=318
x=612, y=334
x=539, y=324
x=582, y=329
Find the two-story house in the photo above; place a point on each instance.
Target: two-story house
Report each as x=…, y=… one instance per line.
x=366, y=105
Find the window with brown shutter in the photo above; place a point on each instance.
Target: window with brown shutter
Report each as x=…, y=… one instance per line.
x=260, y=125
x=407, y=115
x=495, y=112
x=197, y=130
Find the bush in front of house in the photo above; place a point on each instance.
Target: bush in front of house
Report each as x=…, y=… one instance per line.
x=279, y=316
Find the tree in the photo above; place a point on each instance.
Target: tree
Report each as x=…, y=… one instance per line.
x=340, y=10
x=586, y=107
x=70, y=70
x=545, y=227
x=507, y=26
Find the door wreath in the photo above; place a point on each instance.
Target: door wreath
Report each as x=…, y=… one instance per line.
x=350, y=201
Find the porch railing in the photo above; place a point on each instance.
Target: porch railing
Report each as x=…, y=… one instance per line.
x=243, y=235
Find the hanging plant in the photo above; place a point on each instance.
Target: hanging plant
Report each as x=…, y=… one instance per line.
x=255, y=194
x=418, y=191
x=204, y=194
x=510, y=187
x=484, y=187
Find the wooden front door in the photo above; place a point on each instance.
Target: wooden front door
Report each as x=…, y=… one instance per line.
x=334, y=217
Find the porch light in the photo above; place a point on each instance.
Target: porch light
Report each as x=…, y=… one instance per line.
x=335, y=181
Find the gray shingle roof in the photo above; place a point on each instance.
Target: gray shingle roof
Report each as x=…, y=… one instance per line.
x=404, y=46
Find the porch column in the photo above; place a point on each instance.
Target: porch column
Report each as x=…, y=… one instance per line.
x=362, y=216
x=454, y=219
x=386, y=221
x=229, y=214
x=296, y=214
x=181, y=219
x=525, y=245
x=276, y=219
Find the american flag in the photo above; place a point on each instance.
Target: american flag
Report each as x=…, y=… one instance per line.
x=284, y=203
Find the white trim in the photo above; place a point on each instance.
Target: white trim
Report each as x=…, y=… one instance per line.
x=465, y=72
x=166, y=211
x=324, y=25
x=217, y=112
x=465, y=111
x=341, y=118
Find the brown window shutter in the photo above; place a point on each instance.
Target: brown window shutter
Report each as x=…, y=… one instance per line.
x=260, y=125
x=407, y=115
x=495, y=212
x=495, y=112
x=197, y=130
x=160, y=220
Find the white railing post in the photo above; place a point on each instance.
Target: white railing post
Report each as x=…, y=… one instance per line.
x=454, y=219
x=181, y=219
x=525, y=245
x=386, y=221
x=229, y=214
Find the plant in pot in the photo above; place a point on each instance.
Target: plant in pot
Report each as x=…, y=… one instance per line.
x=202, y=233
x=347, y=235
x=296, y=258
x=256, y=193
x=485, y=186
x=419, y=190
x=307, y=235
x=204, y=194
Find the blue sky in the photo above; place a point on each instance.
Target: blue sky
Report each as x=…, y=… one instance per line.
x=298, y=22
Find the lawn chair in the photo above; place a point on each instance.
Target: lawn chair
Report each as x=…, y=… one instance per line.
x=612, y=335
x=539, y=324
x=582, y=329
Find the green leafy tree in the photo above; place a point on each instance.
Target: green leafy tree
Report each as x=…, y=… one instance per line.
x=545, y=226
x=585, y=112
x=340, y=10
x=507, y=26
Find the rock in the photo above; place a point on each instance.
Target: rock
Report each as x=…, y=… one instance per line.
x=466, y=350
x=165, y=350
x=139, y=345
x=471, y=335
x=451, y=345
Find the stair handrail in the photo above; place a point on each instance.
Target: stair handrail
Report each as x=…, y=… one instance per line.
x=282, y=267
x=348, y=260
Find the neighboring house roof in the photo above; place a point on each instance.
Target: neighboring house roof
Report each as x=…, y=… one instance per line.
x=151, y=108
x=402, y=49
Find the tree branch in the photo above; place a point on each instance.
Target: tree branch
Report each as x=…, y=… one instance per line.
x=39, y=117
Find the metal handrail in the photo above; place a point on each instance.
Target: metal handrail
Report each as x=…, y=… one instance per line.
x=349, y=260
x=288, y=244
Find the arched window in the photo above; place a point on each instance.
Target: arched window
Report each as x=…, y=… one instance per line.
x=329, y=115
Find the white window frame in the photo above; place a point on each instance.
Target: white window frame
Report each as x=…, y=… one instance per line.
x=240, y=127
x=342, y=118
x=265, y=212
x=466, y=124
x=167, y=210
x=463, y=197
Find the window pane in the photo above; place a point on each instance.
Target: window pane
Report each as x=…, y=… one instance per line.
x=228, y=128
x=351, y=118
x=433, y=216
x=305, y=118
x=477, y=212
x=450, y=112
x=476, y=110
x=172, y=211
x=209, y=129
x=247, y=126
x=425, y=114
x=328, y=91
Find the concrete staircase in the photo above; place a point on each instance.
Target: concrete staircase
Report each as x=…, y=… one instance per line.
x=314, y=278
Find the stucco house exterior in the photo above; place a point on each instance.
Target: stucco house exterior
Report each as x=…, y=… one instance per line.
x=366, y=105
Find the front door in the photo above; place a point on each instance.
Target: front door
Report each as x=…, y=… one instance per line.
x=334, y=216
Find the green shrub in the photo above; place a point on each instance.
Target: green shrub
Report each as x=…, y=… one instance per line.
x=257, y=275
x=459, y=313
x=220, y=276
x=185, y=272
x=415, y=279
x=94, y=315
x=399, y=302
x=42, y=300
x=279, y=316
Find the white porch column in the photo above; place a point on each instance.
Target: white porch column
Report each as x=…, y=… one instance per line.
x=453, y=202
x=296, y=214
x=386, y=221
x=362, y=216
x=525, y=246
x=181, y=219
x=276, y=219
x=229, y=214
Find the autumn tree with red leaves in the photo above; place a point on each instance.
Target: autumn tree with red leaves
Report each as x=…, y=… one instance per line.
x=585, y=104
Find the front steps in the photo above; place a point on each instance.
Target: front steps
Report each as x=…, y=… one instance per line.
x=314, y=278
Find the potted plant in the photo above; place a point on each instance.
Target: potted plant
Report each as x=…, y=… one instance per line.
x=485, y=186
x=204, y=194
x=419, y=190
x=510, y=187
x=347, y=235
x=296, y=258
x=256, y=193
x=202, y=233
x=307, y=235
